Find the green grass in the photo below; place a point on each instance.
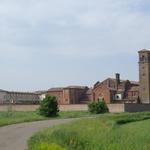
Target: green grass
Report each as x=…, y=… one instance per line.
x=123, y=131
x=74, y=114
x=7, y=118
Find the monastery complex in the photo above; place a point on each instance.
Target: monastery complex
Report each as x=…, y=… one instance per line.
x=111, y=90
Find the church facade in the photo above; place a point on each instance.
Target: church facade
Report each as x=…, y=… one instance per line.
x=115, y=90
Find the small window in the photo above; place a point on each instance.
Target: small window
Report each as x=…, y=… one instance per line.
x=143, y=74
x=143, y=58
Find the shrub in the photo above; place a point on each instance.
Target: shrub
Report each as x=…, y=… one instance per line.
x=98, y=107
x=133, y=118
x=49, y=107
x=47, y=146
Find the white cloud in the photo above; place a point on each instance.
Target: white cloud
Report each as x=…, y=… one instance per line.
x=74, y=27
x=34, y=30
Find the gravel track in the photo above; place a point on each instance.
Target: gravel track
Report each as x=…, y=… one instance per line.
x=14, y=137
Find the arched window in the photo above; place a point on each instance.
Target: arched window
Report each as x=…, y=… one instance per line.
x=143, y=58
x=101, y=97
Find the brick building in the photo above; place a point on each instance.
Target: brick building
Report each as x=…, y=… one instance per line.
x=112, y=90
x=71, y=94
x=116, y=90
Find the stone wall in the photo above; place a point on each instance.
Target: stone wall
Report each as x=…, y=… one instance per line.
x=116, y=108
x=113, y=108
x=136, y=107
x=78, y=107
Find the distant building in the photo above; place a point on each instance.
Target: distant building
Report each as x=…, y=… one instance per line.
x=14, y=97
x=71, y=94
x=116, y=90
x=3, y=94
x=42, y=94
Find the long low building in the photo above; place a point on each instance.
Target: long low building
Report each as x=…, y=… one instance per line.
x=14, y=97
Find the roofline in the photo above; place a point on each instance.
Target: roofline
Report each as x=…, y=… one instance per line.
x=18, y=92
x=144, y=50
x=136, y=82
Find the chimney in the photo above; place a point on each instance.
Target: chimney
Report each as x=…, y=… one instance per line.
x=117, y=79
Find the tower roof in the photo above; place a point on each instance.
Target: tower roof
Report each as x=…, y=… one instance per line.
x=144, y=50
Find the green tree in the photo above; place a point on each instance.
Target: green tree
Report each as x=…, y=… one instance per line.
x=98, y=107
x=49, y=107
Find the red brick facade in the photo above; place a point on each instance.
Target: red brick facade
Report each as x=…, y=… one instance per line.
x=116, y=90
x=111, y=90
x=71, y=94
x=102, y=92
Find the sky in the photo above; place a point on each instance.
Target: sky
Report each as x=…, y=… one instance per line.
x=47, y=43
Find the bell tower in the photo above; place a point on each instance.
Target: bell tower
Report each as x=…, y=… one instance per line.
x=144, y=75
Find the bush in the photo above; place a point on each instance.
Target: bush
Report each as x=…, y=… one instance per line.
x=133, y=118
x=98, y=107
x=49, y=107
x=47, y=146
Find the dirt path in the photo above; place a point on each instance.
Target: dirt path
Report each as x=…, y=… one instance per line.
x=14, y=137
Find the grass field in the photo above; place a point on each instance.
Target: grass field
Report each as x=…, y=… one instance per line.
x=106, y=132
x=7, y=118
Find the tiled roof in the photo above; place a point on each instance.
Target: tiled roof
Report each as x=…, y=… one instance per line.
x=144, y=50
x=76, y=87
x=18, y=92
x=132, y=82
x=134, y=88
x=68, y=87
x=56, y=89
x=2, y=90
x=40, y=92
